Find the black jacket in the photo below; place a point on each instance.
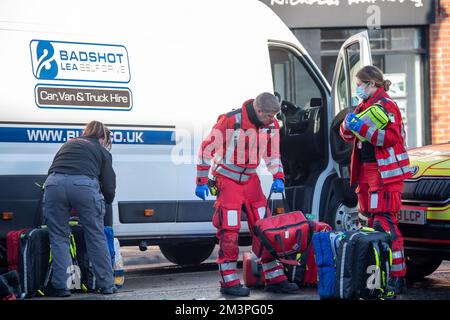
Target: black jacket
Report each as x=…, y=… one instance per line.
x=85, y=156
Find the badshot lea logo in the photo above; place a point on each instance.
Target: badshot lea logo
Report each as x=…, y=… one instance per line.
x=46, y=66
x=76, y=61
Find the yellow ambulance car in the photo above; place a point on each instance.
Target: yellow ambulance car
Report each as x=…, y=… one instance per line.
x=425, y=216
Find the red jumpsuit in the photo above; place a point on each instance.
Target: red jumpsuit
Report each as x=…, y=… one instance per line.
x=380, y=183
x=236, y=146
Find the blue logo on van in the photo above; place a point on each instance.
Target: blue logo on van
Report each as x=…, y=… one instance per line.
x=47, y=68
x=79, y=61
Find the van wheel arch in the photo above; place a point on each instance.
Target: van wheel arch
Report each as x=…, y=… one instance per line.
x=190, y=253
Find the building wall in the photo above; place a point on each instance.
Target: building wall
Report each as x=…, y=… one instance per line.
x=440, y=74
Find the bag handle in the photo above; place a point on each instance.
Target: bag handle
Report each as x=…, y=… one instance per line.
x=285, y=202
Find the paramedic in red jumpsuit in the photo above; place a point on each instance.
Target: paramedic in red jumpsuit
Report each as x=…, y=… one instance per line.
x=379, y=165
x=235, y=146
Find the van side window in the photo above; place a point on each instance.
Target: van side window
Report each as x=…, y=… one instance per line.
x=342, y=98
x=290, y=78
x=354, y=64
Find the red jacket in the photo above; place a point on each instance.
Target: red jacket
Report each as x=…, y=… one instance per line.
x=237, y=146
x=389, y=143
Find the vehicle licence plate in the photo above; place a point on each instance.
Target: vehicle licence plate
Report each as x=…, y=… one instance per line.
x=412, y=216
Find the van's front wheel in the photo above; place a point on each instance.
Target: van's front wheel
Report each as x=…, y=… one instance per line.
x=187, y=253
x=340, y=217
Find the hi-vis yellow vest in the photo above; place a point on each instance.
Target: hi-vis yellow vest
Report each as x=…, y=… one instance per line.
x=374, y=116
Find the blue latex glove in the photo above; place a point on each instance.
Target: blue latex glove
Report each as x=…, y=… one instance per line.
x=277, y=186
x=347, y=120
x=354, y=123
x=202, y=191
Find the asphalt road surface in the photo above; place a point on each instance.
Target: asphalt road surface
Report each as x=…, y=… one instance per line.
x=149, y=276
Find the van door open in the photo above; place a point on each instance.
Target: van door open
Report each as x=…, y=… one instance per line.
x=303, y=119
x=354, y=54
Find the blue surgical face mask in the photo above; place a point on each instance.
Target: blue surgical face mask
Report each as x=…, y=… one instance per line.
x=360, y=92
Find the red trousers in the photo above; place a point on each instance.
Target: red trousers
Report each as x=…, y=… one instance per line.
x=231, y=199
x=380, y=204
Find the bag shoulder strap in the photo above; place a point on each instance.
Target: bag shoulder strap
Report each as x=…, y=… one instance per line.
x=238, y=118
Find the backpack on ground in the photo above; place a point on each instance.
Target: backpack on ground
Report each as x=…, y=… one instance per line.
x=326, y=245
x=36, y=262
x=13, y=249
x=109, y=234
x=363, y=265
x=119, y=276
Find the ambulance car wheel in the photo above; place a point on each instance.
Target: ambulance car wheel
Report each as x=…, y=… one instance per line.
x=418, y=266
x=187, y=253
x=340, y=217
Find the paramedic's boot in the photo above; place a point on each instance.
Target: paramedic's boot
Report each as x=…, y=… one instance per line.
x=282, y=287
x=395, y=286
x=237, y=290
x=110, y=290
x=60, y=293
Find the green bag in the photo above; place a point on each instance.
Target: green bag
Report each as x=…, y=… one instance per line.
x=375, y=116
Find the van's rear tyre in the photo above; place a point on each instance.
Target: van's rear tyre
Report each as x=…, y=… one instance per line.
x=187, y=253
x=418, y=266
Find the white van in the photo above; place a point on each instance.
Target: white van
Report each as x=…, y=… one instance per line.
x=159, y=73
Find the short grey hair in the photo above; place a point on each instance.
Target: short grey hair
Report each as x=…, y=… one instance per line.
x=267, y=102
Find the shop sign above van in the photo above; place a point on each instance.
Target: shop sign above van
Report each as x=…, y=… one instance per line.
x=352, y=13
x=76, y=61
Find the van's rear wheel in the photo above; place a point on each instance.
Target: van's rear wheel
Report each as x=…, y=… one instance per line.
x=340, y=217
x=187, y=253
x=418, y=266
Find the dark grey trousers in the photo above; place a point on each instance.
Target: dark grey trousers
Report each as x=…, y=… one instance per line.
x=63, y=192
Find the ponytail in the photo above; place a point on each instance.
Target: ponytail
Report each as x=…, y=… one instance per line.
x=386, y=84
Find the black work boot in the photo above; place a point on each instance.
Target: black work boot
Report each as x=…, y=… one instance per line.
x=110, y=290
x=60, y=293
x=395, y=286
x=237, y=290
x=282, y=287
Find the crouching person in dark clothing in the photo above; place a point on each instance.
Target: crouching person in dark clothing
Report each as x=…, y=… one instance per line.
x=81, y=177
